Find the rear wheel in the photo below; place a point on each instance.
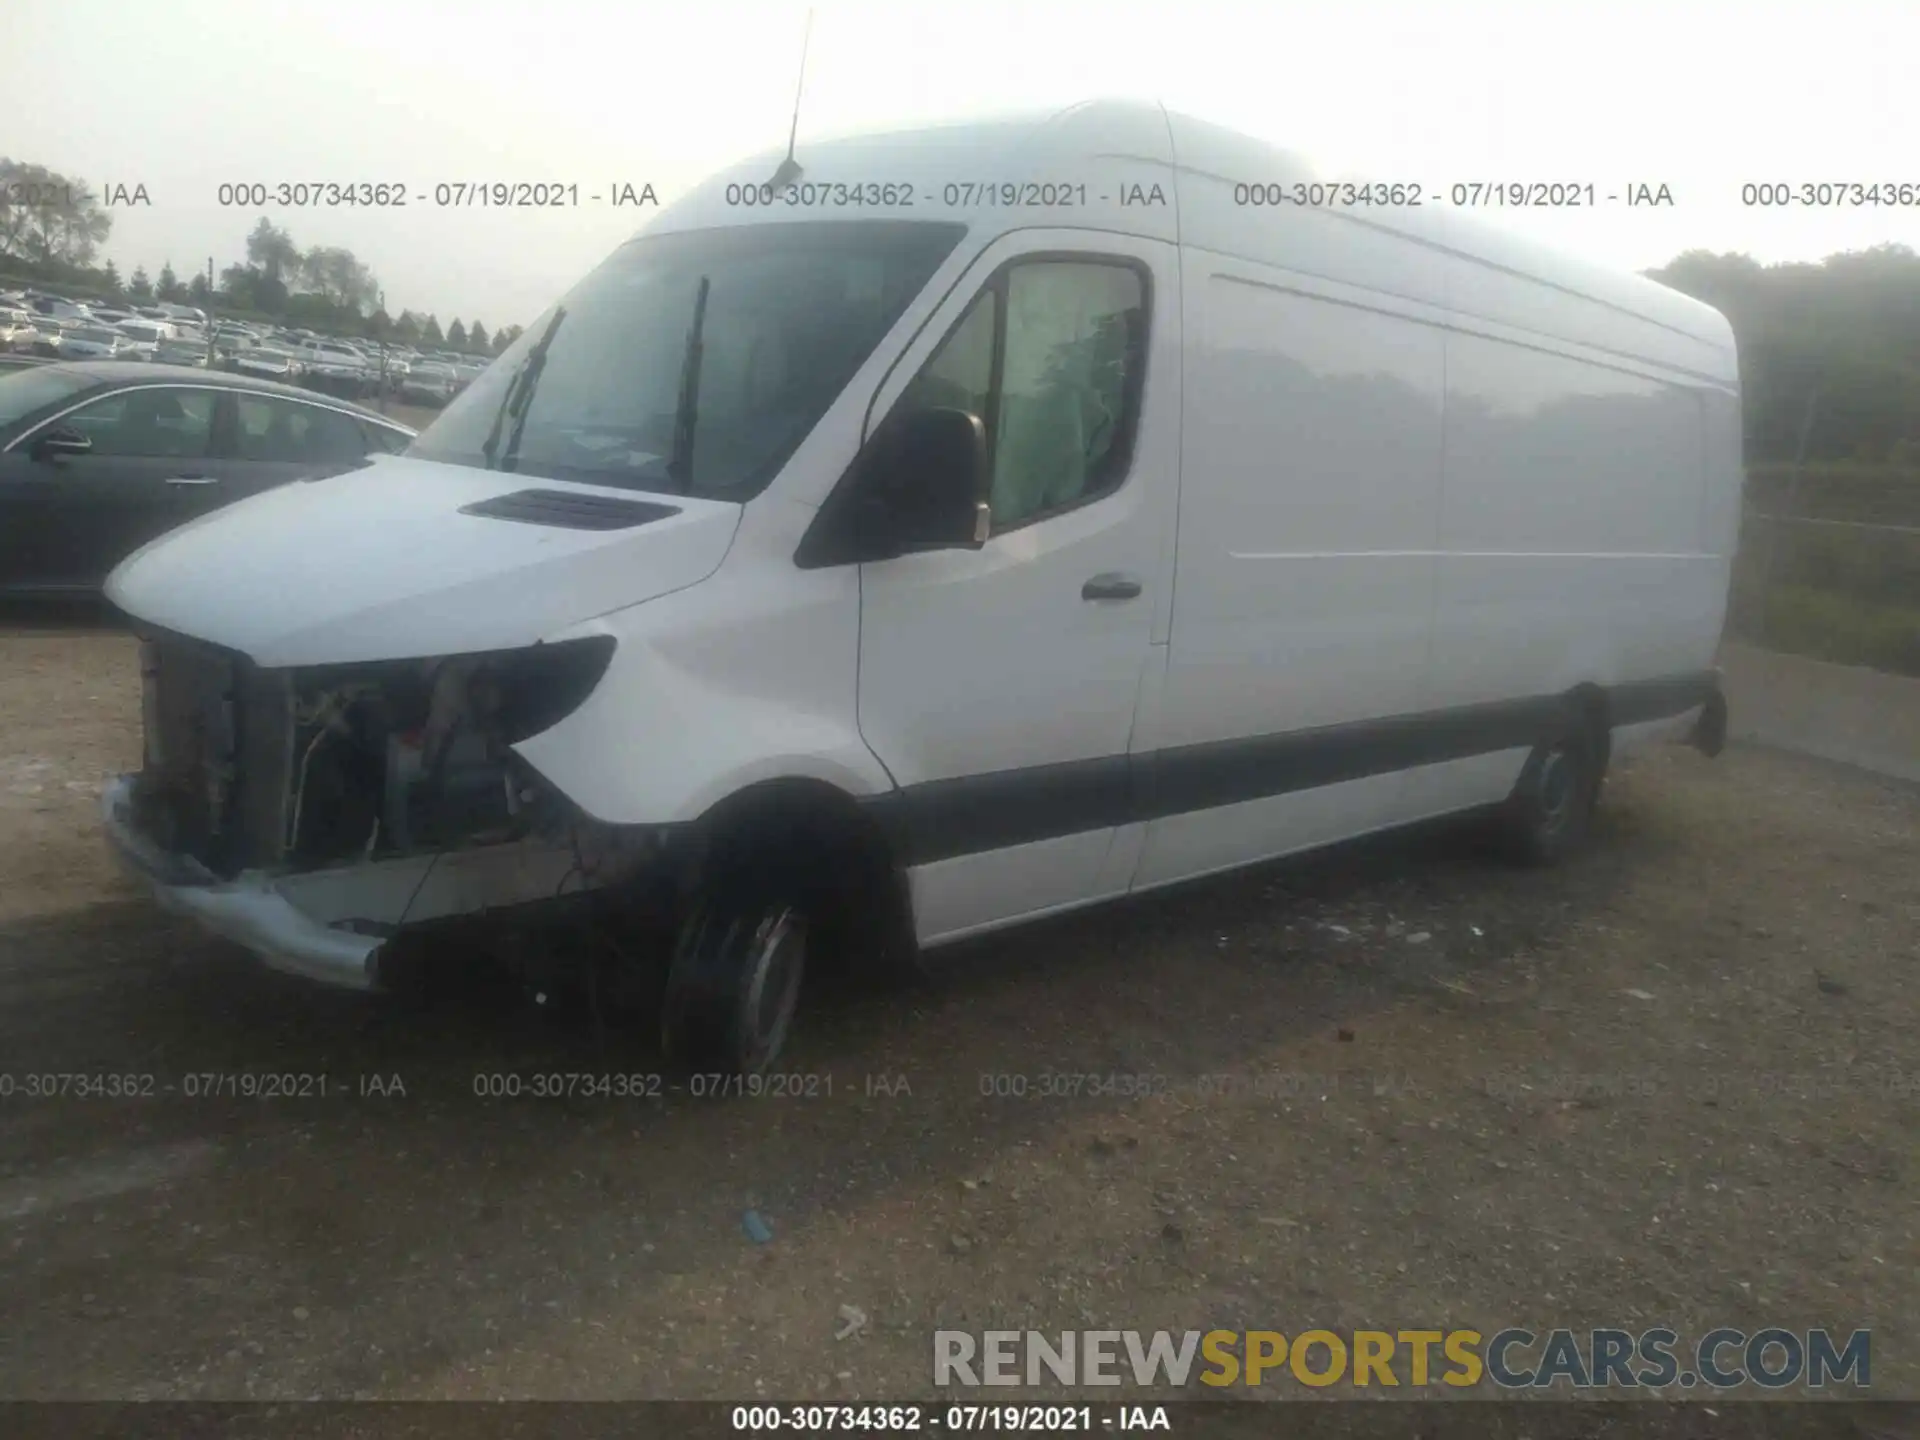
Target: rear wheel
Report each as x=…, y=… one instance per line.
x=1547, y=815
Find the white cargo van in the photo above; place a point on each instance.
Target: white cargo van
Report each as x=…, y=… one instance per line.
x=989, y=521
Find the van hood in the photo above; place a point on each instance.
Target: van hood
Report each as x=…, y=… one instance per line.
x=390, y=561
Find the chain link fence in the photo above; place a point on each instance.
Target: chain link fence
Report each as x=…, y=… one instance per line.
x=1829, y=565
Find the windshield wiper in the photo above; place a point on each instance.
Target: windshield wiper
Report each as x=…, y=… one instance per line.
x=687, y=412
x=519, y=397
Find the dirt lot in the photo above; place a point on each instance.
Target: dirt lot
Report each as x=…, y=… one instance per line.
x=1675, y=1082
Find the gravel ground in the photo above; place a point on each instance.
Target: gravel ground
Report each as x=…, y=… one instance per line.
x=1674, y=1082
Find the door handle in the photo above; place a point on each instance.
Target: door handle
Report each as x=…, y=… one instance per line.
x=193, y=480
x=1110, y=586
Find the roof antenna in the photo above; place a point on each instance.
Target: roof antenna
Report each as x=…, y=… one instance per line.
x=789, y=170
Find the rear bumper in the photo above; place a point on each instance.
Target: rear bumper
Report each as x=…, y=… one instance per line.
x=248, y=910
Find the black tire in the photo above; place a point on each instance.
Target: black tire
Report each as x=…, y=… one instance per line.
x=733, y=983
x=1546, y=817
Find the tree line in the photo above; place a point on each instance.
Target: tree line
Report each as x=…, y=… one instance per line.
x=52, y=227
x=1829, y=349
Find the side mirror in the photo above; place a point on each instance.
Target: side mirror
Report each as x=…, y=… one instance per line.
x=923, y=491
x=60, y=441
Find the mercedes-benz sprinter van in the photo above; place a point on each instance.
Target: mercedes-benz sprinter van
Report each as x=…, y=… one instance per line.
x=940, y=531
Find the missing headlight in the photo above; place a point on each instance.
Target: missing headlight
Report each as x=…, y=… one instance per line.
x=398, y=757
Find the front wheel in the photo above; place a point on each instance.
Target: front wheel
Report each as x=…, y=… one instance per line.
x=733, y=984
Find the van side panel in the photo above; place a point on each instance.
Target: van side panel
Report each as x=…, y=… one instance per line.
x=1571, y=533
x=1309, y=510
x=1626, y=317
x=1309, y=504
x=1571, y=539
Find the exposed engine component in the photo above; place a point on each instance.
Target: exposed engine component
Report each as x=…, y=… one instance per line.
x=400, y=757
x=252, y=768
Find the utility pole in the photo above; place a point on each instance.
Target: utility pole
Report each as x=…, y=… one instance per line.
x=380, y=308
x=210, y=312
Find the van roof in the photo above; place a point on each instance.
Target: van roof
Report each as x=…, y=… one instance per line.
x=1109, y=145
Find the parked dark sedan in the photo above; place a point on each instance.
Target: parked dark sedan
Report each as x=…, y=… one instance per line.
x=97, y=458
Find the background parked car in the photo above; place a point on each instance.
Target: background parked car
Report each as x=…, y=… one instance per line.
x=50, y=336
x=335, y=368
x=181, y=351
x=58, y=307
x=148, y=333
x=97, y=458
x=265, y=362
x=430, y=382
x=392, y=362
x=27, y=337
x=92, y=342
x=16, y=329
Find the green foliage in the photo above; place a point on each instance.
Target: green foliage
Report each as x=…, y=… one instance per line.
x=1804, y=620
x=271, y=252
x=1838, y=490
x=49, y=219
x=1832, y=347
x=1845, y=592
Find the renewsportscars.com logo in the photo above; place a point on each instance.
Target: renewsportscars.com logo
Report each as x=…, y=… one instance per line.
x=1513, y=1359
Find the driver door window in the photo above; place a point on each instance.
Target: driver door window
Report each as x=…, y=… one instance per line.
x=1066, y=340
x=960, y=374
x=165, y=424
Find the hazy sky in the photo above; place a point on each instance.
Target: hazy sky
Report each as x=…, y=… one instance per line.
x=180, y=95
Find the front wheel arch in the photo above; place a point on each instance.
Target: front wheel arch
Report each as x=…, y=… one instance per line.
x=828, y=841
x=798, y=856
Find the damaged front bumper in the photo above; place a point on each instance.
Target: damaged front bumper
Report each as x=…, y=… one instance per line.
x=248, y=909
x=338, y=924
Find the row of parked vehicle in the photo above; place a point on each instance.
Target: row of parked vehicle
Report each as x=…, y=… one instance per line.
x=57, y=328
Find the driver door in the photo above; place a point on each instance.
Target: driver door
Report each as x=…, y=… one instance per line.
x=75, y=517
x=999, y=685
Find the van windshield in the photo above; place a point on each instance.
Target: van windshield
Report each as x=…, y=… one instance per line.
x=792, y=311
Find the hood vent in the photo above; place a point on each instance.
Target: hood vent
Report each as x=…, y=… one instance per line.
x=570, y=510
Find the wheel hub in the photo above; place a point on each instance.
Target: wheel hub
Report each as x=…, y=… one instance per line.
x=1556, y=788
x=776, y=959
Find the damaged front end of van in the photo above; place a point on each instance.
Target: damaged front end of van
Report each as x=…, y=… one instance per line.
x=447, y=691
x=312, y=812
x=332, y=703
